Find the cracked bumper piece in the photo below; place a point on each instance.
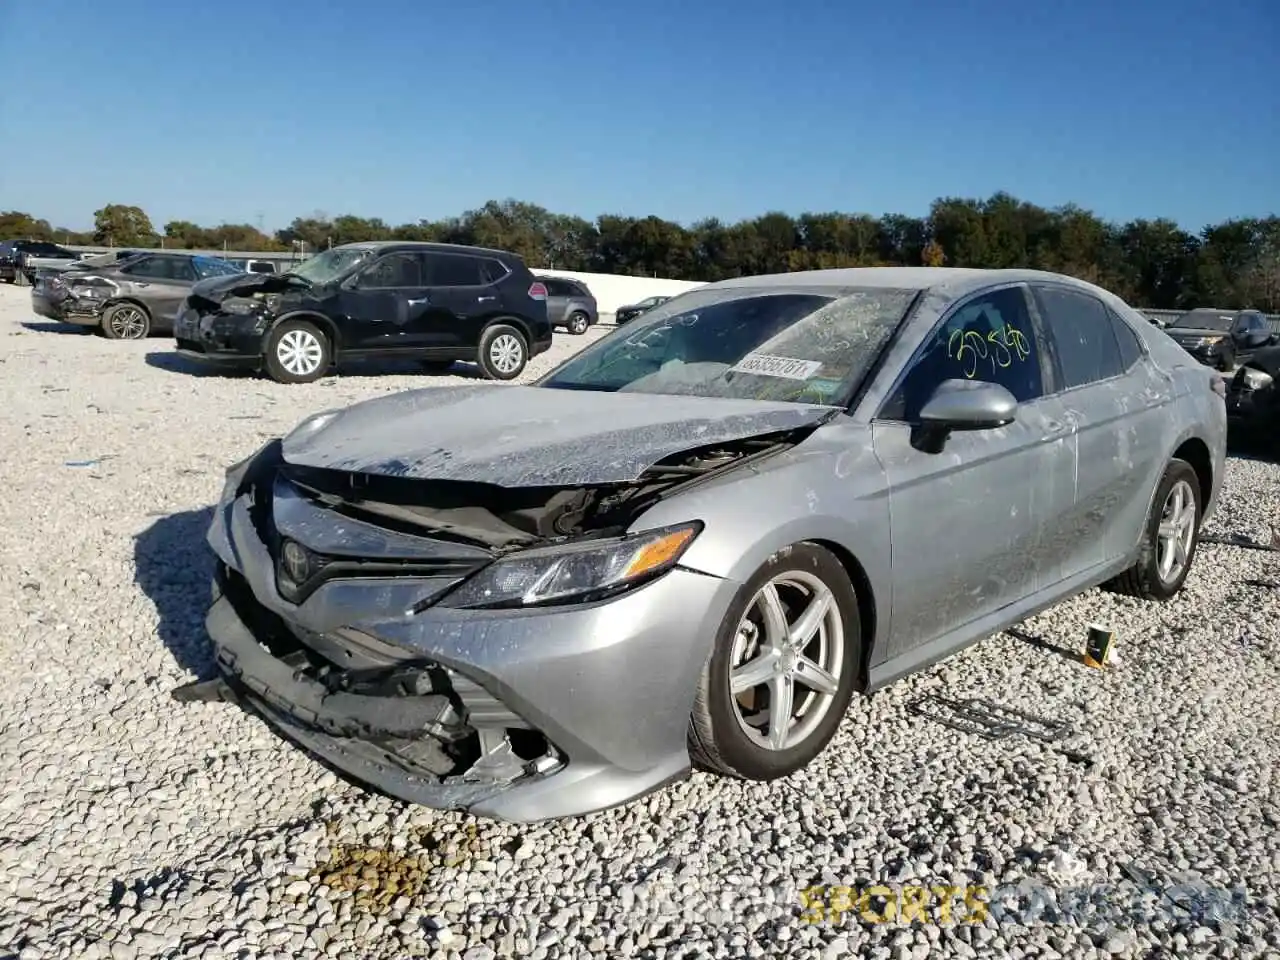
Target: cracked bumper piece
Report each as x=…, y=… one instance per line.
x=519, y=715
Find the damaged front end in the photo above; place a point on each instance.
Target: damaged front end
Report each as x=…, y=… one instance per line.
x=328, y=581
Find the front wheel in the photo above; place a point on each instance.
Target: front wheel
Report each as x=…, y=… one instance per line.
x=1169, y=540
x=782, y=670
x=503, y=353
x=126, y=321
x=297, y=352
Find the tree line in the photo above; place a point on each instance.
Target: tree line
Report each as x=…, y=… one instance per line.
x=1152, y=263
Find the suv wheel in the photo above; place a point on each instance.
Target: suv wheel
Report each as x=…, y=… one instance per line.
x=578, y=323
x=297, y=352
x=503, y=353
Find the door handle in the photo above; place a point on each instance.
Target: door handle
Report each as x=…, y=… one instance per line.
x=137, y=283
x=417, y=300
x=483, y=299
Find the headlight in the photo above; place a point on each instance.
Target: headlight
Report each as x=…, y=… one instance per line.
x=241, y=306
x=1208, y=341
x=94, y=289
x=1255, y=379
x=575, y=573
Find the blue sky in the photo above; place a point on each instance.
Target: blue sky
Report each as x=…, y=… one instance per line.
x=234, y=111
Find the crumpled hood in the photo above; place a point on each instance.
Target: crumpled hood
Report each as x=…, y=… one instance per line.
x=218, y=289
x=530, y=436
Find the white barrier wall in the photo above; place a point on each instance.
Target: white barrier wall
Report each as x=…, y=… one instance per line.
x=612, y=292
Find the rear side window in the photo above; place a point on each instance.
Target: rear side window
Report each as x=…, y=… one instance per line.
x=454, y=270
x=1083, y=335
x=1126, y=340
x=493, y=270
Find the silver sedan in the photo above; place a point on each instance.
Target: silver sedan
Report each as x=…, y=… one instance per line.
x=694, y=542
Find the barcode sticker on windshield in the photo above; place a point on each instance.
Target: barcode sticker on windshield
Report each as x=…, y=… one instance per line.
x=768, y=366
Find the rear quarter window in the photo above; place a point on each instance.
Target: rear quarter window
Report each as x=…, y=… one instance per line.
x=1126, y=340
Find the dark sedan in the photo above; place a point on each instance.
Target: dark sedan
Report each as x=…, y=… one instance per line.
x=130, y=299
x=1221, y=338
x=633, y=310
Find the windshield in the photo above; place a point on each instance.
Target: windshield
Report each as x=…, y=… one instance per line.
x=331, y=264
x=1205, y=320
x=796, y=345
x=213, y=267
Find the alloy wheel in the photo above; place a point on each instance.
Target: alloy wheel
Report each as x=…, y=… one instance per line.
x=506, y=353
x=128, y=323
x=787, y=660
x=1176, y=532
x=299, y=352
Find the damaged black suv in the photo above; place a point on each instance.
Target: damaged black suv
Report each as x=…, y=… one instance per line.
x=433, y=302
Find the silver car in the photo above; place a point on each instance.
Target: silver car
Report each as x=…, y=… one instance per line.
x=781, y=491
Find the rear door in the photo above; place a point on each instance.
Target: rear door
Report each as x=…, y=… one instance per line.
x=1116, y=402
x=463, y=297
x=558, y=294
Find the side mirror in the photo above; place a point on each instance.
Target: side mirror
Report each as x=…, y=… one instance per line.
x=962, y=405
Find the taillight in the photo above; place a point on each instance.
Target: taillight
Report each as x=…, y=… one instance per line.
x=538, y=291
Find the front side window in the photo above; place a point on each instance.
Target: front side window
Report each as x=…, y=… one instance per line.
x=1083, y=336
x=394, y=270
x=810, y=346
x=988, y=338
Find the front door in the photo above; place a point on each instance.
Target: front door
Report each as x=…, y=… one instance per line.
x=162, y=283
x=382, y=307
x=970, y=525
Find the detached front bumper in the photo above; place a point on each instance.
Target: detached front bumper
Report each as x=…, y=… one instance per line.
x=551, y=713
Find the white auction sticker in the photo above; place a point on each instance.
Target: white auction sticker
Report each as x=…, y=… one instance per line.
x=777, y=366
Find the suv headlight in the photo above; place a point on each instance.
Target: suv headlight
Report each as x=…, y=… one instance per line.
x=242, y=306
x=1209, y=341
x=1255, y=379
x=574, y=573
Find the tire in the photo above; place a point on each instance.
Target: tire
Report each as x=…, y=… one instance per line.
x=297, y=352
x=126, y=321
x=437, y=366
x=503, y=352
x=1144, y=579
x=722, y=738
x=577, y=323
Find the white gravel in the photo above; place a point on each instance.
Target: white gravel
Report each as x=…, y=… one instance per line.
x=133, y=826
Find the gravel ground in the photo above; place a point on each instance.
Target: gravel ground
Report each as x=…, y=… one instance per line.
x=132, y=826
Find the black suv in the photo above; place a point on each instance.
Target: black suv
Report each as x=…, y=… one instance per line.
x=14, y=255
x=434, y=302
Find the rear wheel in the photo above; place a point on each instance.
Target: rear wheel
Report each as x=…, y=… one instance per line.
x=297, y=352
x=782, y=671
x=1170, y=540
x=578, y=323
x=126, y=321
x=503, y=353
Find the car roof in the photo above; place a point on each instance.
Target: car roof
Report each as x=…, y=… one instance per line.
x=950, y=281
x=427, y=245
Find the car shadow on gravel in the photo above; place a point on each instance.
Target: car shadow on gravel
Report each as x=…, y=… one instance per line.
x=41, y=326
x=176, y=363
x=173, y=566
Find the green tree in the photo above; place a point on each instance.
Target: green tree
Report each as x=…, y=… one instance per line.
x=16, y=225
x=120, y=225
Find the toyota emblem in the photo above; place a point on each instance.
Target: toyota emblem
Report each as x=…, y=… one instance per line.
x=296, y=562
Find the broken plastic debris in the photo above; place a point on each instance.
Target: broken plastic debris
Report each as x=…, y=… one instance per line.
x=89, y=463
